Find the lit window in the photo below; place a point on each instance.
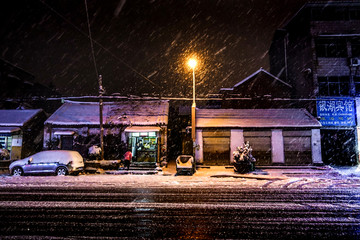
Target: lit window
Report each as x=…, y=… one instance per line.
x=6, y=142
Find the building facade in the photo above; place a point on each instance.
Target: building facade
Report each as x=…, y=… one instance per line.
x=277, y=136
x=317, y=52
x=20, y=90
x=21, y=131
x=138, y=126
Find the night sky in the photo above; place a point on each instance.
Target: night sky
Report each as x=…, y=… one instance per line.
x=141, y=46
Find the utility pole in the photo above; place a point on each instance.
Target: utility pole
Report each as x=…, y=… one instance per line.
x=101, y=92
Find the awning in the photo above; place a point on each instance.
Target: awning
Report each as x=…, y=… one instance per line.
x=9, y=129
x=142, y=129
x=66, y=133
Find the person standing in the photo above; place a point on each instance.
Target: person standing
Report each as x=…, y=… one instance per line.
x=127, y=159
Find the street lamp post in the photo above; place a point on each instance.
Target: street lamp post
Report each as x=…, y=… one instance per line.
x=192, y=63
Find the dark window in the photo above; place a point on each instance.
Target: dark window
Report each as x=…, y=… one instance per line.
x=323, y=88
x=355, y=47
x=335, y=13
x=344, y=86
x=354, y=14
x=334, y=86
x=331, y=47
x=357, y=85
x=67, y=142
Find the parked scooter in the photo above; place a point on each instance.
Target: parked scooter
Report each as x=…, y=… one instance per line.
x=244, y=162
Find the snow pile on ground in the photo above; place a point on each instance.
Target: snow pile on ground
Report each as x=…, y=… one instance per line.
x=94, y=150
x=346, y=172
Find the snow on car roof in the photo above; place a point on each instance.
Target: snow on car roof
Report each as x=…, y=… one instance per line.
x=255, y=118
x=17, y=118
x=117, y=113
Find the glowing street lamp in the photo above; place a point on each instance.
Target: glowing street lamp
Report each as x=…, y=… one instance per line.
x=192, y=63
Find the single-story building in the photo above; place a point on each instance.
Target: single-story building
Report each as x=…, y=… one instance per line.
x=21, y=131
x=277, y=136
x=141, y=125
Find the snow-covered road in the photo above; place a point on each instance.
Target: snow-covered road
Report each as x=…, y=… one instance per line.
x=108, y=207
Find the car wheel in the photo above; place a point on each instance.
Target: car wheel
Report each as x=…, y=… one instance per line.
x=17, y=171
x=61, y=171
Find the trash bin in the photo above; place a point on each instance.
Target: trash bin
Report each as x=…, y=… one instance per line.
x=185, y=164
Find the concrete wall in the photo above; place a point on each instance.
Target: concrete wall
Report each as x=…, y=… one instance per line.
x=333, y=27
x=199, y=152
x=16, y=147
x=236, y=139
x=333, y=67
x=316, y=146
x=277, y=146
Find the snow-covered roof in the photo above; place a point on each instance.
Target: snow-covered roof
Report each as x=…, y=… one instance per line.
x=142, y=129
x=17, y=118
x=9, y=129
x=255, y=118
x=261, y=70
x=118, y=113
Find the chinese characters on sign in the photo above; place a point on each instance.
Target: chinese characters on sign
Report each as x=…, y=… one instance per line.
x=336, y=112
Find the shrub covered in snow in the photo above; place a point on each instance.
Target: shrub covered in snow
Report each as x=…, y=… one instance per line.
x=94, y=152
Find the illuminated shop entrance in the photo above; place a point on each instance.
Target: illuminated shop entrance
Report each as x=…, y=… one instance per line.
x=144, y=146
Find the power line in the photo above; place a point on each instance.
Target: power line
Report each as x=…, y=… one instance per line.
x=91, y=41
x=100, y=45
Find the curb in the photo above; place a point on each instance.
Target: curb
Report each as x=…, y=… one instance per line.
x=250, y=177
x=125, y=172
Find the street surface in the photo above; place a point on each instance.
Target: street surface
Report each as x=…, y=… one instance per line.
x=188, y=207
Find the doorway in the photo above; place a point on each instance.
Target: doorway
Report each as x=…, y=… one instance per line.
x=144, y=146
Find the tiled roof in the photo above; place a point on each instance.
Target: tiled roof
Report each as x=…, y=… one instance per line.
x=254, y=75
x=255, y=118
x=17, y=118
x=117, y=113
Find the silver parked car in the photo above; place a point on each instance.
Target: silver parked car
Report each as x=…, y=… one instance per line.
x=58, y=162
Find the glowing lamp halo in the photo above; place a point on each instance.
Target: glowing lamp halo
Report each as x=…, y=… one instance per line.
x=192, y=63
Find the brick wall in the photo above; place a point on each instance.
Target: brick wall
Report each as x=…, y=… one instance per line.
x=333, y=67
x=335, y=27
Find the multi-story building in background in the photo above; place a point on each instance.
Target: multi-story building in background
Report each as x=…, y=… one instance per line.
x=19, y=89
x=317, y=52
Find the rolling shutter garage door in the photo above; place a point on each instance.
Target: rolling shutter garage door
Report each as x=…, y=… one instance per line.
x=216, y=147
x=297, y=147
x=260, y=142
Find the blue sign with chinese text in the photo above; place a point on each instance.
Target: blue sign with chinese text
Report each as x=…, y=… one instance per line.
x=336, y=112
